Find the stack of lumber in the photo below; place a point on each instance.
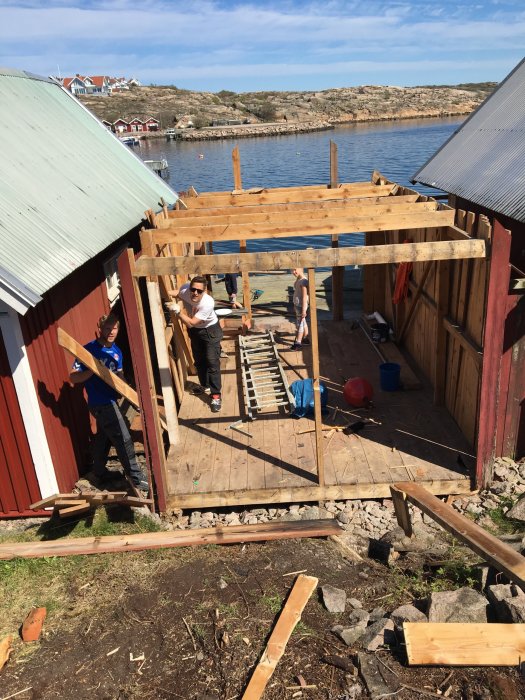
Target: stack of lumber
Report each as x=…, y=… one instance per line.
x=69, y=504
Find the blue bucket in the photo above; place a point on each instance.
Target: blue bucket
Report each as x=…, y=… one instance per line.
x=389, y=373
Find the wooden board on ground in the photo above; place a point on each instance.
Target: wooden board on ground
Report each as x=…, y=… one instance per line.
x=493, y=550
x=289, y=617
x=464, y=644
x=180, y=538
x=92, y=499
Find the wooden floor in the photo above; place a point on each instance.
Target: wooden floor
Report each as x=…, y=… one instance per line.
x=216, y=466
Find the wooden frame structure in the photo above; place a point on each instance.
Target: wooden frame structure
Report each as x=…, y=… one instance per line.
x=180, y=244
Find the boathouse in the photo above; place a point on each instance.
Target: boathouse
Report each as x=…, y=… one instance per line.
x=481, y=167
x=427, y=431
x=72, y=198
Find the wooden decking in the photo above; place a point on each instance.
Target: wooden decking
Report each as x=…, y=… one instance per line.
x=216, y=466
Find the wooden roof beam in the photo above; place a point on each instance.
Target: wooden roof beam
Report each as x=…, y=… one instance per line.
x=308, y=227
x=313, y=257
x=238, y=216
x=181, y=214
x=317, y=194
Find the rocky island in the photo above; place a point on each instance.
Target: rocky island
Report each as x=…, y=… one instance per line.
x=226, y=113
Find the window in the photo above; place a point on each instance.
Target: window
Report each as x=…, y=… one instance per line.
x=112, y=277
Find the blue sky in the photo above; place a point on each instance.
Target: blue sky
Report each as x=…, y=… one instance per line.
x=286, y=45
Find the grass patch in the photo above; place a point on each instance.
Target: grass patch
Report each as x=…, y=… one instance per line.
x=502, y=523
x=273, y=602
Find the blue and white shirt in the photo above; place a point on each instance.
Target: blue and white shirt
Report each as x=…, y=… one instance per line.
x=98, y=392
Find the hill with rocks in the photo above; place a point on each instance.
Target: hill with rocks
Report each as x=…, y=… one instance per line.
x=172, y=105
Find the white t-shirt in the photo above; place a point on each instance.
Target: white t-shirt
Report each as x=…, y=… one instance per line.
x=203, y=309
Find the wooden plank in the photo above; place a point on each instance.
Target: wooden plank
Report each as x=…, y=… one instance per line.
x=239, y=214
x=181, y=538
x=284, y=196
x=492, y=351
x=490, y=548
x=415, y=299
x=163, y=360
x=316, y=377
x=401, y=509
x=327, y=257
x=278, y=217
x=78, y=509
x=290, y=615
x=299, y=494
x=466, y=343
x=139, y=346
x=464, y=644
x=87, y=359
x=440, y=338
x=310, y=227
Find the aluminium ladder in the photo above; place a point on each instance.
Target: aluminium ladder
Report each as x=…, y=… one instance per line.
x=264, y=380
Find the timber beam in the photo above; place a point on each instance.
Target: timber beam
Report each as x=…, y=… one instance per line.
x=324, y=257
x=200, y=214
x=284, y=196
x=285, y=227
x=343, y=208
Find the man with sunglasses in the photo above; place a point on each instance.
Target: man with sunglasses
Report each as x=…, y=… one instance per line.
x=198, y=314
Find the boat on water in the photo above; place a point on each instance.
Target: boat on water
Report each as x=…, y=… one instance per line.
x=159, y=166
x=130, y=140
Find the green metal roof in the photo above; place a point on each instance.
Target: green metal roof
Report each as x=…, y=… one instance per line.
x=68, y=187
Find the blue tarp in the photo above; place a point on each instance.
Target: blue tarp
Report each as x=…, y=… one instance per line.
x=303, y=393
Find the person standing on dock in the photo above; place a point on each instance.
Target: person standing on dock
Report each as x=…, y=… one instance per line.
x=300, y=303
x=198, y=314
x=230, y=282
x=102, y=404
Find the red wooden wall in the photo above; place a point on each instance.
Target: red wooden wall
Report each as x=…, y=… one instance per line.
x=18, y=482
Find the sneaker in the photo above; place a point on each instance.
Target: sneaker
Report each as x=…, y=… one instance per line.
x=197, y=390
x=216, y=403
x=142, y=485
x=306, y=341
x=296, y=346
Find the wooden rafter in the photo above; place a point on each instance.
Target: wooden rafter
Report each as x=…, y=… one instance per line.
x=307, y=226
x=387, y=205
x=200, y=214
x=284, y=196
x=325, y=257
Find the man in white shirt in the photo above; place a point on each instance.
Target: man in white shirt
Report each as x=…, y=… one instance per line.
x=198, y=314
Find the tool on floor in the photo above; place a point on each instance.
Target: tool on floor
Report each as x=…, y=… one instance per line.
x=264, y=381
x=235, y=426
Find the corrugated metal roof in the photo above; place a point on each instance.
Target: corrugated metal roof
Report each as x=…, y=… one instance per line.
x=68, y=187
x=484, y=161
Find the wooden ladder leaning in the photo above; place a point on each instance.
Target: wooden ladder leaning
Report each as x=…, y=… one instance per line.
x=264, y=380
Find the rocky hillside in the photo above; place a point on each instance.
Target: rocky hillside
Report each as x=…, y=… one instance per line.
x=340, y=105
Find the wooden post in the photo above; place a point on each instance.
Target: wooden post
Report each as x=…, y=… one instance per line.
x=440, y=353
x=166, y=381
x=138, y=341
x=334, y=181
x=237, y=184
x=236, y=159
x=492, y=351
x=404, y=520
x=316, y=372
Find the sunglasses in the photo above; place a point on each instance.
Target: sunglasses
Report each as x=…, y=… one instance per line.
x=194, y=290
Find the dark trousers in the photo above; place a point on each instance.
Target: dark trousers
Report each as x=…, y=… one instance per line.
x=112, y=430
x=206, y=348
x=230, y=282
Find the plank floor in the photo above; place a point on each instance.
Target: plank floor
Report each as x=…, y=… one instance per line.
x=216, y=466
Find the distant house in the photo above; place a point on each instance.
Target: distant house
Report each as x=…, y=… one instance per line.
x=120, y=126
x=152, y=124
x=482, y=168
x=99, y=85
x=64, y=222
x=76, y=85
x=136, y=124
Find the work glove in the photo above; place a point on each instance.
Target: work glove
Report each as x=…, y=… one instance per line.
x=173, y=306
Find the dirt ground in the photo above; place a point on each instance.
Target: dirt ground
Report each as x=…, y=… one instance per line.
x=192, y=623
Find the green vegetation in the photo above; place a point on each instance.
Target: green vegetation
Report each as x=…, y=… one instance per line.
x=503, y=524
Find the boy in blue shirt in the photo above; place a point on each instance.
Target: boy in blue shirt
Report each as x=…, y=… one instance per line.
x=102, y=404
